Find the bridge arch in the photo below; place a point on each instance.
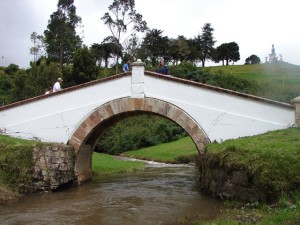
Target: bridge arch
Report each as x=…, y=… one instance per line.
x=90, y=129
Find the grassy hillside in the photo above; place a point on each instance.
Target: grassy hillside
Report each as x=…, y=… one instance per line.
x=280, y=82
x=279, y=74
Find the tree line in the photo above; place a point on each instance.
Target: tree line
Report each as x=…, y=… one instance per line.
x=59, y=51
x=60, y=42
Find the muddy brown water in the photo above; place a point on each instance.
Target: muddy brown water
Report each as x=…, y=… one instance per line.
x=159, y=195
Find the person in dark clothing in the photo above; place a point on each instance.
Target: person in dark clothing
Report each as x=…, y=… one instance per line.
x=162, y=68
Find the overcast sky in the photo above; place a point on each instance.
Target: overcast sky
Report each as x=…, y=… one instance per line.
x=254, y=25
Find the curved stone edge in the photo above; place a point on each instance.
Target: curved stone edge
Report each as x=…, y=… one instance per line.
x=151, y=105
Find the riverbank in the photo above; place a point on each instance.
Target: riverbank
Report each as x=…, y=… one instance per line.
x=271, y=159
x=15, y=167
x=274, y=158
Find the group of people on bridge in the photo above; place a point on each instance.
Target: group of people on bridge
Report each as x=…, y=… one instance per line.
x=162, y=68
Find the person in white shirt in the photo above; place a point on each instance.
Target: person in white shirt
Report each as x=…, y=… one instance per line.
x=56, y=86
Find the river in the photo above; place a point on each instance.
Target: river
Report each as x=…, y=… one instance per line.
x=161, y=194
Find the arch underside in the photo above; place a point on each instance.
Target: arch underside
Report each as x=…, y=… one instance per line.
x=88, y=132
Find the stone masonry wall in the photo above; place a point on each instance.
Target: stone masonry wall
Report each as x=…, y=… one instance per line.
x=232, y=183
x=53, y=166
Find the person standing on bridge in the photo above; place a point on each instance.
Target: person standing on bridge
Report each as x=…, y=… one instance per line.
x=126, y=66
x=162, y=68
x=56, y=86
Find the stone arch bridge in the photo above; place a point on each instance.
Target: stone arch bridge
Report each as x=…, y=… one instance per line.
x=78, y=115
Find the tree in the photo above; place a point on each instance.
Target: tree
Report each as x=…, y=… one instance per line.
x=60, y=37
x=98, y=53
x=112, y=48
x=103, y=52
x=123, y=17
x=11, y=69
x=84, y=66
x=253, y=59
x=179, y=49
x=131, y=46
x=228, y=52
x=207, y=43
x=35, y=80
x=155, y=46
x=6, y=87
x=195, y=54
x=38, y=44
x=41, y=76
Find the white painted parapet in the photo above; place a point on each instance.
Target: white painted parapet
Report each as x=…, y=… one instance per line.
x=53, y=117
x=222, y=114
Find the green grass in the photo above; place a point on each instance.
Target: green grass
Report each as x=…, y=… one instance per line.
x=107, y=164
x=273, y=157
x=6, y=140
x=168, y=152
x=280, y=82
x=15, y=166
x=286, y=212
x=15, y=161
x=273, y=73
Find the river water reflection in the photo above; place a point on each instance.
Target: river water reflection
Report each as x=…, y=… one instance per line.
x=160, y=194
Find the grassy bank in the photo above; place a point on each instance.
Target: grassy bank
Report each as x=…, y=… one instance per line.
x=181, y=151
x=274, y=157
x=107, y=164
x=15, y=166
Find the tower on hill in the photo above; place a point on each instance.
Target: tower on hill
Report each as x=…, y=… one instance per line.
x=273, y=57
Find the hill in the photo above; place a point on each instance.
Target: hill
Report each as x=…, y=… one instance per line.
x=280, y=73
x=280, y=81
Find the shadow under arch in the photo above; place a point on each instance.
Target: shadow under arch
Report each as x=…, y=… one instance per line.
x=90, y=129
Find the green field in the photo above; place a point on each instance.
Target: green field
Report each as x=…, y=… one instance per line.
x=107, y=164
x=172, y=152
x=282, y=74
x=279, y=82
